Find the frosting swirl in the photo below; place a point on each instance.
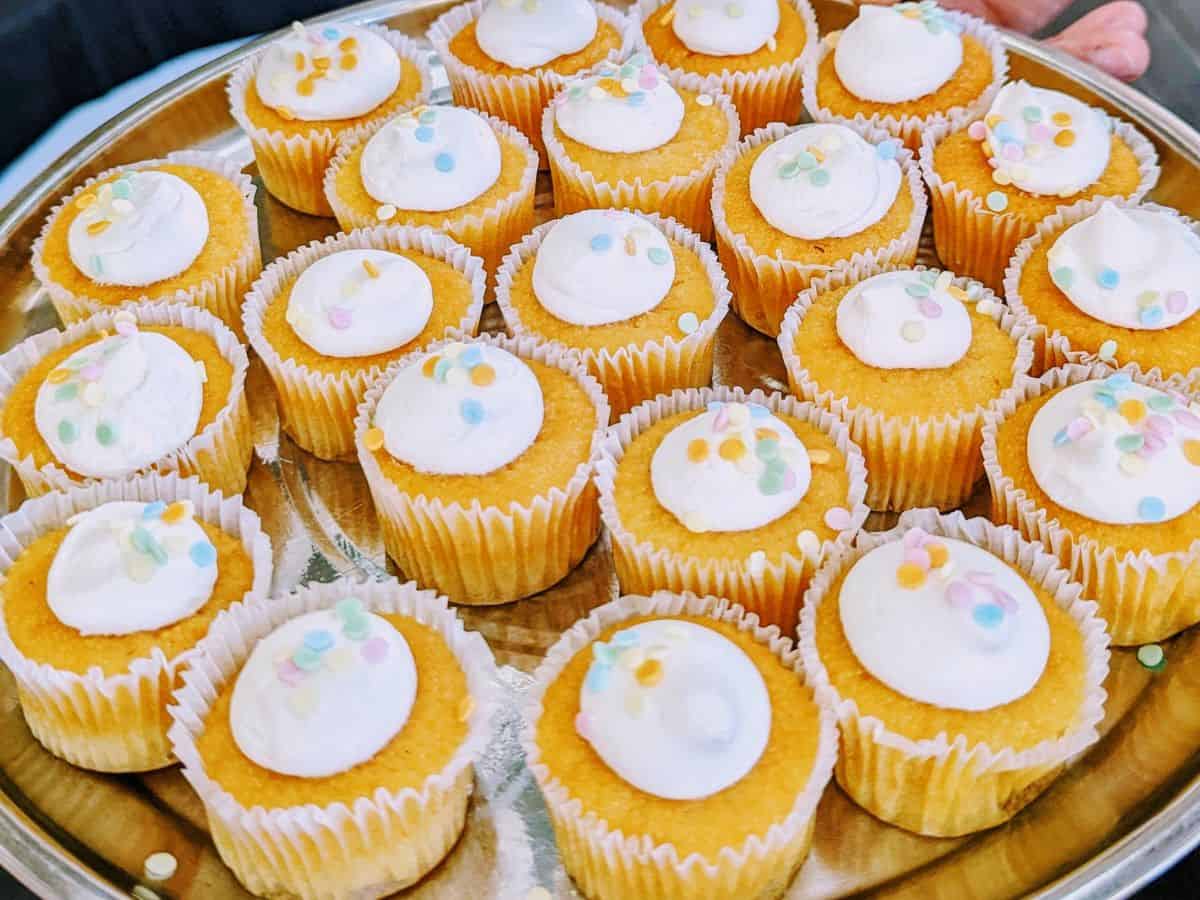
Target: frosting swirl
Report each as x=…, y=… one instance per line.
x=526, y=34
x=892, y=54
x=724, y=28
x=620, y=109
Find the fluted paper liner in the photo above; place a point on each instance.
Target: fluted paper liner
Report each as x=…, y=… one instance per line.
x=485, y=555
x=219, y=454
x=318, y=408
x=1143, y=596
x=114, y=723
x=910, y=461
x=944, y=786
x=382, y=842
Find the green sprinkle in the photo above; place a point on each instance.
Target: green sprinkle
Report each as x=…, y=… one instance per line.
x=1130, y=443
x=66, y=392
x=997, y=202
x=1152, y=657
x=767, y=448
x=106, y=435
x=917, y=289
x=306, y=660
x=1160, y=402
x=67, y=431
x=819, y=178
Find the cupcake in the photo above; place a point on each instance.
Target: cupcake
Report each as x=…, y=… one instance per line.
x=909, y=360
x=625, y=136
x=680, y=749
x=308, y=90
x=106, y=591
x=312, y=786
x=1102, y=468
x=637, y=297
x=964, y=668
x=165, y=392
x=718, y=492
x=182, y=229
x=478, y=457
x=993, y=180
x=753, y=51
x=905, y=68
x=328, y=318
x=453, y=169
x=790, y=204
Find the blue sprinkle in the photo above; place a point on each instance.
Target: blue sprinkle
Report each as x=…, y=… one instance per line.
x=1004, y=132
x=319, y=640
x=626, y=638
x=444, y=162
x=1151, y=509
x=424, y=134
x=1032, y=114
x=987, y=615
x=121, y=189
x=427, y=116
x=714, y=405
x=145, y=542
x=636, y=99
x=472, y=356
x=1061, y=439
x=1063, y=277
x=330, y=33
x=154, y=510
x=1105, y=398
x=601, y=243
x=819, y=177
x=1118, y=380
x=758, y=411
x=1151, y=315
x=203, y=554
x=917, y=289
x=1108, y=278
x=471, y=411
x=887, y=150
x=658, y=256
x=604, y=654
x=440, y=368
x=597, y=678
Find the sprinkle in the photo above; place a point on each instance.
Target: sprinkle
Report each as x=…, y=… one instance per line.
x=1152, y=657
x=819, y=177
x=373, y=439
x=444, y=162
x=1176, y=302
x=977, y=131
x=917, y=289
x=912, y=331
x=838, y=519
x=886, y=150
x=306, y=660
x=424, y=134
x=98, y=227
x=1186, y=419
x=348, y=44
x=650, y=673
x=482, y=375
x=1132, y=465
x=318, y=640
x=997, y=202
x=1132, y=410
x=349, y=62
x=371, y=269
x=340, y=317
x=601, y=243
x=471, y=410
x=66, y=392
x=305, y=86
x=1191, y=451
x=1065, y=138
x=704, y=100
x=1108, y=278
x=83, y=201
x=67, y=431
x=1061, y=119
x=1151, y=509
x=929, y=308
x=159, y=866
x=1130, y=443
x=177, y=511
x=58, y=376
x=1064, y=277
x=988, y=615
x=732, y=449
x=688, y=322
x=385, y=212
x=1108, y=351
x=106, y=434
x=658, y=256
x=91, y=372
x=1031, y=114
x=1150, y=316
x=442, y=369
x=910, y=576
x=375, y=650
x=203, y=554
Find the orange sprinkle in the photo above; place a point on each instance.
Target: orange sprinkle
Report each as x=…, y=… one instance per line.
x=938, y=555
x=993, y=120
x=1065, y=138
x=1191, y=451
x=765, y=434
x=430, y=365
x=649, y=673
x=98, y=227
x=732, y=449
x=910, y=576
x=482, y=375
x=373, y=439
x=349, y=61
x=285, y=112
x=612, y=86
x=175, y=512
x=348, y=44
x=371, y=268
x=322, y=62
x=1061, y=119
x=305, y=86
x=299, y=58
x=83, y=201
x=58, y=376
x=630, y=245
x=318, y=74
x=1132, y=410
x=698, y=450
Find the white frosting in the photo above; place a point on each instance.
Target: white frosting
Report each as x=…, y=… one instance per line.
x=725, y=27
x=904, y=320
x=467, y=409
x=824, y=181
x=120, y=404
x=898, y=53
x=1117, y=451
x=327, y=72
x=1135, y=268
x=620, y=109
x=676, y=709
x=735, y=467
x=526, y=34
x=431, y=160
x=144, y=227
x=972, y=635
x=360, y=302
x=126, y=567
x=323, y=693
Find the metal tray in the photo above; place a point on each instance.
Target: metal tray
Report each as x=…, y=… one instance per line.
x=1122, y=814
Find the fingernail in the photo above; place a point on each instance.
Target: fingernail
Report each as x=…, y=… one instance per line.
x=1115, y=60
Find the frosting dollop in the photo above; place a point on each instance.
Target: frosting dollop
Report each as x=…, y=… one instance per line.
x=467, y=409
x=1135, y=268
x=944, y=622
x=144, y=227
x=431, y=159
x=734, y=467
x=824, y=181
x=1117, y=451
x=620, y=109
x=323, y=692
x=724, y=28
x=676, y=709
x=125, y=567
x=898, y=53
x=526, y=34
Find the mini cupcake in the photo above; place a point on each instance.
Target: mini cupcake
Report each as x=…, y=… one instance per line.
x=625, y=136
x=790, y=204
x=753, y=51
x=1102, y=468
x=106, y=591
x=680, y=749
x=992, y=181
x=910, y=360
x=637, y=297
x=906, y=68
x=181, y=229
x=964, y=669
x=314, y=87
x=328, y=318
x=740, y=496
x=452, y=169
x=312, y=786
x=478, y=457
x=166, y=392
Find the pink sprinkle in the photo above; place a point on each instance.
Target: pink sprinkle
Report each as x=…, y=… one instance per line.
x=1152, y=443
x=582, y=724
x=977, y=131
x=915, y=537
x=789, y=479
x=1077, y=428
x=993, y=162
x=1176, y=302
x=1005, y=600
x=375, y=650
x=340, y=318
x=648, y=80
x=126, y=328
x=289, y=673
x=1186, y=419
x=960, y=595
x=1160, y=426
x=1013, y=152
x=91, y=372
x=721, y=420
x=929, y=308
x=1039, y=133
x=838, y=519
x=983, y=579
x=918, y=557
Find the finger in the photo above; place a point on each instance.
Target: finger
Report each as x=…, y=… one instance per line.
x=1123, y=54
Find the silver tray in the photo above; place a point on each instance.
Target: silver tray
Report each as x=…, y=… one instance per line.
x=1116, y=819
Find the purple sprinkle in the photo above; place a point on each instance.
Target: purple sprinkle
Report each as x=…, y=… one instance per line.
x=289, y=673
x=1013, y=152
x=1077, y=428
x=375, y=650
x=648, y=80
x=721, y=420
x=914, y=537
x=929, y=308
x=1176, y=302
x=340, y=317
x=983, y=579
x=1186, y=419
x=91, y=372
x=1152, y=443
x=960, y=595
x=1039, y=133
x=1160, y=426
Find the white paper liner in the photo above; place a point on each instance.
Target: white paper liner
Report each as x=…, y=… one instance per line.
x=318, y=408
x=114, y=723
x=220, y=293
x=382, y=842
x=293, y=167
x=219, y=454
x=910, y=461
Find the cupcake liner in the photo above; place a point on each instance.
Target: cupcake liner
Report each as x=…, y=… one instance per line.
x=910, y=461
x=682, y=197
x=765, y=286
x=1144, y=596
x=114, y=723
x=384, y=841
x=773, y=590
x=219, y=455
x=976, y=242
x=486, y=555
x=632, y=374
x=220, y=294
x=318, y=408
x=293, y=167
x=607, y=863
x=944, y=786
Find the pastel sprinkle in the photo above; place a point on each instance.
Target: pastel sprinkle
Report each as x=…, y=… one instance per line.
x=819, y=178
x=1152, y=656
x=1108, y=278
x=1191, y=452
x=67, y=431
x=1108, y=350
x=732, y=449
x=917, y=289
x=289, y=673
x=319, y=640
x=375, y=650
x=482, y=375
x=58, y=376
x=1130, y=443
x=1186, y=419
x=153, y=510
x=697, y=450
x=987, y=615
x=203, y=554
x=106, y=434
x=1151, y=509
x=1078, y=428
x=1031, y=114
x=471, y=410
x=1151, y=315
x=910, y=576
x=929, y=308
x=838, y=519
x=977, y=131
x=340, y=317
x=1132, y=410
x=688, y=322
x=887, y=150
x=444, y=162
x=658, y=256
x=1065, y=138
x=601, y=243
x=144, y=542
x=1061, y=119
x=912, y=331
x=373, y=439
x=177, y=511
x=424, y=134
x=997, y=202
x=306, y=660
x=1176, y=302
x=1132, y=465
x=1064, y=277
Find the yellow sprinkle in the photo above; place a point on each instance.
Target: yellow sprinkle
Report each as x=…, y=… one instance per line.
x=373, y=439
x=430, y=364
x=765, y=434
x=349, y=61
x=83, y=201
x=732, y=449
x=58, y=376
x=321, y=62
x=1191, y=452
x=697, y=450
x=630, y=245
x=299, y=58
x=818, y=457
x=1061, y=119
x=992, y=120
x=910, y=576
x=649, y=673
x=348, y=44
x=482, y=375
x=938, y=555
x=371, y=268
x=958, y=294
x=98, y=227
x=1065, y=138
x=305, y=87
x=177, y=511
x=285, y=112
x=466, y=706
x=817, y=153
x=1133, y=411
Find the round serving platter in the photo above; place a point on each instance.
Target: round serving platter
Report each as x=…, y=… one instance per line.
x=1115, y=819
